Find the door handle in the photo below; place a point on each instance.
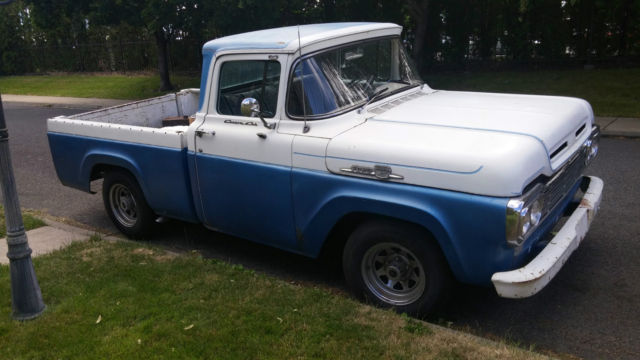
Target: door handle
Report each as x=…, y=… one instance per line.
x=200, y=133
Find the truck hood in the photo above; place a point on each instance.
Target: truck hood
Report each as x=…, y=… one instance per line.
x=489, y=144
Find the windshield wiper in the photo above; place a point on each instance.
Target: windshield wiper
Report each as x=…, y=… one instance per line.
x=400, y=81
x=371, y=98
x=375, y=95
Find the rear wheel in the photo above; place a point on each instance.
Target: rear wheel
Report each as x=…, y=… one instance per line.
x=125, y=204
x=395, y=265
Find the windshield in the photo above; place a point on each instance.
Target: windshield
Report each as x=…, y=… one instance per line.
x=348, y=76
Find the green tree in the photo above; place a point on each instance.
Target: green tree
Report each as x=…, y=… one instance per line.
x=13, y=42
x=162, y=19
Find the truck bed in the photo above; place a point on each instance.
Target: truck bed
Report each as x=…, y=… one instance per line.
x=130, y=137
x=137, y=122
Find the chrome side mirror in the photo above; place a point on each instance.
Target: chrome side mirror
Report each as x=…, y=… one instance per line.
x=251, y=107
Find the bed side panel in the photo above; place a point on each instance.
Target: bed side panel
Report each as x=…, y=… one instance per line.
x=162, y=172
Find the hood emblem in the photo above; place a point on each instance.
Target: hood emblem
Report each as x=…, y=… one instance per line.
x=381, y=172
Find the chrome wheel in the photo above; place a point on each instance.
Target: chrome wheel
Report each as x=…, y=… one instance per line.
x=123, y=205
x=393, y=274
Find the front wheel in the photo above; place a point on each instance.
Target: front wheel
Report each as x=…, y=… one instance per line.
x=395, y=265
x=125, y=204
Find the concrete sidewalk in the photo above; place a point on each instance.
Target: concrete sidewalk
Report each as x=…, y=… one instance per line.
x=619, y=126
x=62, y=101
x=54, y=236
x=610, y=126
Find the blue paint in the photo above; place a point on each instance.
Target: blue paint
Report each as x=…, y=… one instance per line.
x=206, y=62
x=397, y=165
x=267, y=203
x=248, y=199
x=469, y=228
x=166, y=188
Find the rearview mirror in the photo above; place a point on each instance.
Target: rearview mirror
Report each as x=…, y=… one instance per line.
x=250, y=107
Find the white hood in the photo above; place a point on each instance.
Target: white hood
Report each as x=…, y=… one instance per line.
x=489, y=144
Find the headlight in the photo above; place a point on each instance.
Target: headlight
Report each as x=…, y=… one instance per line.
x=536, y=212
x=592, y=145
x=523, y=215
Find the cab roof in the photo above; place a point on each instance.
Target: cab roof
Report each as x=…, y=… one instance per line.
x=286, y=38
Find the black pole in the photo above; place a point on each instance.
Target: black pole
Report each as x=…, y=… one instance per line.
x=26, y=297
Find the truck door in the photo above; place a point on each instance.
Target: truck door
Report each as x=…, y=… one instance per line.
x=243, y=167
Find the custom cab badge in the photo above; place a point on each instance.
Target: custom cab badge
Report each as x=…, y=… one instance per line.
x=238, y=122
x=382, y=172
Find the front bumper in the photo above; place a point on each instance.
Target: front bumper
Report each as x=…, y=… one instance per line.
x=533, y=277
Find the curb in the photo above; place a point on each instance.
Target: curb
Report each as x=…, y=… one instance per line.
x=619, y=126
x=78, y=230
x=53, y=236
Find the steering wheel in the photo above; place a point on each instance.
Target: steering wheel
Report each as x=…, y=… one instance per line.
x=368, y=85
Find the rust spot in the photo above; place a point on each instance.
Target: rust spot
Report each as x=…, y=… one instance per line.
x=585, y=204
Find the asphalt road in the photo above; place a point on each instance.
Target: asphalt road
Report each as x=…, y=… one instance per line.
x=591, y=309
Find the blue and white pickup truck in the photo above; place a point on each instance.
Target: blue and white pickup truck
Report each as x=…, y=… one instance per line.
x=322, y=140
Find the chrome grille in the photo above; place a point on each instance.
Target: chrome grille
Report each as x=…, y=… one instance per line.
x=559, y=185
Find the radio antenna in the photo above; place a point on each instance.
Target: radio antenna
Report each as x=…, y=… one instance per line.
x=305, y=128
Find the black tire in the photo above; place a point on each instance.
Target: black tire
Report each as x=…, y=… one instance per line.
x=125, y=203
x=396, y=265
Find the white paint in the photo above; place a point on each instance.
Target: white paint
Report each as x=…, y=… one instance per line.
x=309, y=153
x=479, y=162
x=137, y=122
x=172, y=137
x=487, y=144
x=530, y=279
x=237, y=141
x=551, y=119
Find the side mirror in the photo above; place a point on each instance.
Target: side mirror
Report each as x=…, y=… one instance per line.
x=251, y=107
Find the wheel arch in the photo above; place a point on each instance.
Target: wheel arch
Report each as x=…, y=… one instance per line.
x=343, y=223
x=338, y=236
x=95, y=164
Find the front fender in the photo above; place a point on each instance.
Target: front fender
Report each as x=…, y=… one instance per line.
x=470, y=229
x=345, y=204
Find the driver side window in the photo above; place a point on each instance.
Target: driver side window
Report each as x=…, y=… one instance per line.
x=258, y=79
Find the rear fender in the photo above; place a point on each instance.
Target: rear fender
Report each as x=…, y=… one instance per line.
x=95, y=158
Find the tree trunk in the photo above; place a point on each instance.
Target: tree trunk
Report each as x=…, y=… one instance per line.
x=329, y=10
x=419, y=9
x=163, y=60
x=624, y=28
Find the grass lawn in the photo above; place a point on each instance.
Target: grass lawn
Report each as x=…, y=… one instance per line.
x=611, y=92
x=106, y=86
x=126, y=300
x=30, y=222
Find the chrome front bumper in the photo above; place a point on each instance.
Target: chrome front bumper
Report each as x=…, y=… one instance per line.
x=533, y=277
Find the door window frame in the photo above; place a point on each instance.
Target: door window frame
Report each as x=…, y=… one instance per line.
x=212, y=108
